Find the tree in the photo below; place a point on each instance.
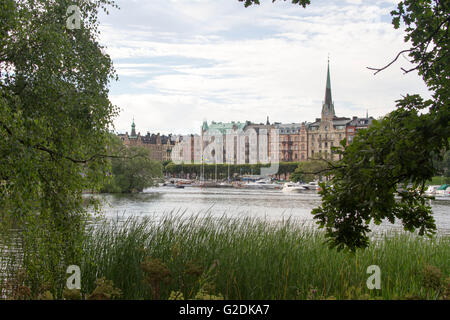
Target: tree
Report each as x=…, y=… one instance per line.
x=54, y=121
x=442, y=163
x=132, y=170
x=398, y=150
x=309, y=171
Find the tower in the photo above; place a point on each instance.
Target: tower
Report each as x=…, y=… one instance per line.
x=133, y=129
x=328, y=105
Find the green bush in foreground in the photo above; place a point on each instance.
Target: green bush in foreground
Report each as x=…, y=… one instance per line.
x=255, y=259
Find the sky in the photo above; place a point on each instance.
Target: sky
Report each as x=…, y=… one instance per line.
x=181, y=62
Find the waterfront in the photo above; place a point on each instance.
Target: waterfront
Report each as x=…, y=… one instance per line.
x=272, y=205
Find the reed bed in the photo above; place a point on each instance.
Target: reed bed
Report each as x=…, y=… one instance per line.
x=256, y=259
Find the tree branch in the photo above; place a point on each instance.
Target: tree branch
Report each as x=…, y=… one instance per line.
x=53, y=154
x=409, y=50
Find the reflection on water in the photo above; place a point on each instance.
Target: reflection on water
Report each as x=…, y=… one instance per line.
x=265, y=204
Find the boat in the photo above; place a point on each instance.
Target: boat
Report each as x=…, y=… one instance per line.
x=431, y=190
x=261, y=184
x=311, y=186
x=225, y=185
x=294, y=187
x=443, y=191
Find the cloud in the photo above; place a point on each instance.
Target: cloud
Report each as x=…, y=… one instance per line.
x=183, y=61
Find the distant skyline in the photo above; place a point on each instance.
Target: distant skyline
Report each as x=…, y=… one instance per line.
x=184, y=61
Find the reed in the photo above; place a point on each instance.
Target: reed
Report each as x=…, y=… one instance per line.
x=256, y=259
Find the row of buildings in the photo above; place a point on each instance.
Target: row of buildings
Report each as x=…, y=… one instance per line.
x=296, y=141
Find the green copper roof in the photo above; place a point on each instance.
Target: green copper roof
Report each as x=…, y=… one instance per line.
x=223, y=127
x=328, y=99
x=328, y=106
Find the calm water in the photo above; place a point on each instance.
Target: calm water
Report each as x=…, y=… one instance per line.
x=265, y=204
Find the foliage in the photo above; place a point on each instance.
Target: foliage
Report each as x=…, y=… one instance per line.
x=259, y=260
x=309, y=171
x=156, y=273
x=132, y=170
x=364, y=184
x=54, y=119
x=303, y=3
x=223, y=170
x=442, y=163
x=71, y=294
x=105, y=290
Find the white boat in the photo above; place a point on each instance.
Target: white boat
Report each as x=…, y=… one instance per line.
x=443, y=191
x=431, y=190
x=293, y=187
x=261, y=184
x=311, y=186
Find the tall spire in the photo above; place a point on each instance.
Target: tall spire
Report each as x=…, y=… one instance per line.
x=328, y=106
x=133, y=129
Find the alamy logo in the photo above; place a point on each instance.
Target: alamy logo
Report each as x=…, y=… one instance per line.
x=74, y=19
x=374, y=281
x=231, y=147
x=74, y=280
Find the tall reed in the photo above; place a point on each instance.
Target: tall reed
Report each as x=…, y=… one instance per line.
x=257, y=259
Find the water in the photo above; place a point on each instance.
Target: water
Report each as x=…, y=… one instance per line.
x=273, y=205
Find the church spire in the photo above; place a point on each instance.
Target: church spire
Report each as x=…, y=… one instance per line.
x=133, y=129
x=328, y=106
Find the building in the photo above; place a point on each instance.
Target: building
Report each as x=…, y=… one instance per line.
x=355, y=125
x=160, y=146
x=247, y=142
x=263, y=149
x=293, y=144
x=326, y=132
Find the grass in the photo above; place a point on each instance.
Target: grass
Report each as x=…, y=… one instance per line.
x=255, y=259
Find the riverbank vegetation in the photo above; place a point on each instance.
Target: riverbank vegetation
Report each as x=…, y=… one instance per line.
x=132, y=170
x=217, y=257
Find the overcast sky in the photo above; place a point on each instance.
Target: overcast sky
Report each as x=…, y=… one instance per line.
x=184, y=61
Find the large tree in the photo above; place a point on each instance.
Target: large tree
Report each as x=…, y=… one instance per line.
x=396, y=152
x=54, y=121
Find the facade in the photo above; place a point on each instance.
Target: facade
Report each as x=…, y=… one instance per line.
x=329, y=130
x=355, y=125
x=231, y=145
x=160, y=146
x=293, y=144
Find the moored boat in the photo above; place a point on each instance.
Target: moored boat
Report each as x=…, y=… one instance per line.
x=293, y=187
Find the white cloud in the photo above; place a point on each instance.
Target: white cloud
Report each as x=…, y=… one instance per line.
x=222, y=62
